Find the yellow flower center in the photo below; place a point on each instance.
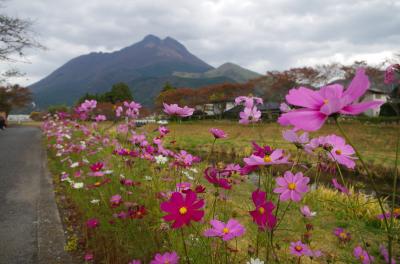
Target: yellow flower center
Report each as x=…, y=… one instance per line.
x=298, y=248
x=292, y=186
x=97, y=183
x=362, y=257
x=338, y=152
x=326, y=101
x=183, y=210
x=261, y=210
x=225, y=230
x=267, y=158
x=343, y=235
x=396, y=211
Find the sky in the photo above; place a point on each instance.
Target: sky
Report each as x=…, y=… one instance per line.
x=260, y=35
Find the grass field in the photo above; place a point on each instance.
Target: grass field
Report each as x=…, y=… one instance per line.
x=377, y=143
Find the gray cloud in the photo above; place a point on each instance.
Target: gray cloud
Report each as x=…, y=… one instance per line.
x=261, y=35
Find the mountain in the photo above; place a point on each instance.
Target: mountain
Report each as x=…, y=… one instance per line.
x=230, y=70
x=145, y=66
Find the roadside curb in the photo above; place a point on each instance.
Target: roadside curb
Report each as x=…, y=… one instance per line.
x=50, y=232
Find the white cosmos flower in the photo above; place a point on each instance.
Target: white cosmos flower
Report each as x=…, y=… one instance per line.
x=148, y=178
x=194, y=170
x=74, y=165
x=95, y=201
x=255, y=261
x=160, y=159
x=77, y=185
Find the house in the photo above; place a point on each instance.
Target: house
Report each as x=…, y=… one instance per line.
x=374, y=94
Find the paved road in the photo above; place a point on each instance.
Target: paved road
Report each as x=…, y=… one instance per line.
x=27, y=206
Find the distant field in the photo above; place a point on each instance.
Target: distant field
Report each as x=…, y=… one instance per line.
x=377, y=143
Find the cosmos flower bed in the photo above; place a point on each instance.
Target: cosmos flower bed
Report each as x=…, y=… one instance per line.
x=142, y=202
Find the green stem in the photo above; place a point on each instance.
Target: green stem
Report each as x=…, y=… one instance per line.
x=184, y=246
x=367, y=171
x=396, y=174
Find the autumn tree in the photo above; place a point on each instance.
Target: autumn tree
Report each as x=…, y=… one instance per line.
x=14, y=97
x=16, y=36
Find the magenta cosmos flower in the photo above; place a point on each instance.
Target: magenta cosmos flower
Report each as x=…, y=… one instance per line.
x=262, y=214
x=175, y=110
x=299, y=249
x=166, y=258
x=362, y=255
x=218, y=133
x=183, y=208
x=218, y=178
x=317, y=105
x=291, y=187
x=226, y=231
x=92, y=223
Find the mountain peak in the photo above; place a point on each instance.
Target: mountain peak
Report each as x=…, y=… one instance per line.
x=151, y=37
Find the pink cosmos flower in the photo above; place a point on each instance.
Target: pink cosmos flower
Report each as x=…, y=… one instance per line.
x=306, y=212
x=163, y=130
x=362, y=255
x=317, y=106
x=132, y=109
x=100, y=118
x=116, y=200
x=249, y=115
x=248, y=101
x=166, y=258
x=183, y=186
x=340, y=187
x=275, y=157
x=232, y=168
x=299, y=249
x=341, y=152
x=385, y=254
x=292, y=187
x=226, y=231
x=284, y=108
x=291, y=136
x=185, y=159
x=175, y=110
x=336, y=147
x=92, y=223
x=262, y=214
x=389, y=75
x=342, y=235
x=122, y=128
x=183, y=208
x=118, y=111
x=218, y=133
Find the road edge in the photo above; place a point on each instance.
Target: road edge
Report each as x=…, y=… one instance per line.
x=50, y=232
